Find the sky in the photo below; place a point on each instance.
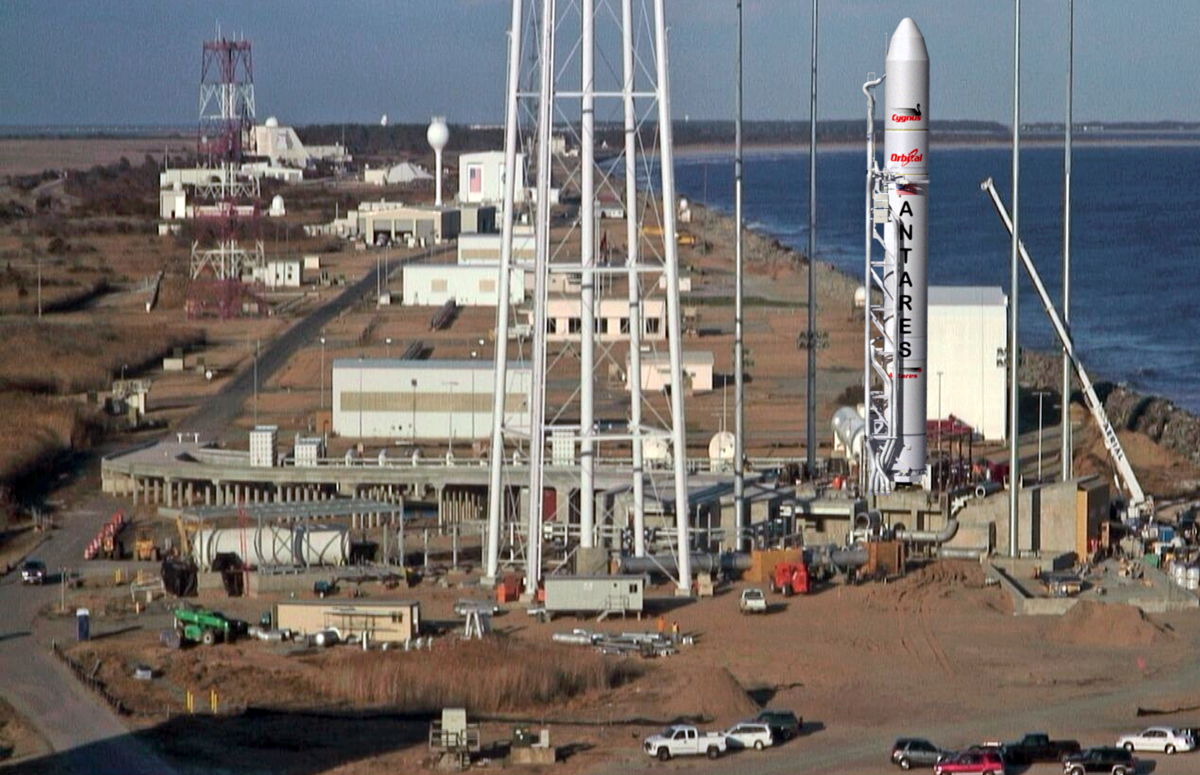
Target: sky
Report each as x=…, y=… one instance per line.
x=134, y=62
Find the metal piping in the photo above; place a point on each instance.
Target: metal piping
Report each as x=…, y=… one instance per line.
x=938, y=537
x=963, y=552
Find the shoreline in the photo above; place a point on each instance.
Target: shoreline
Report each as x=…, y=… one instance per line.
x=1155, y=416
x=699, y=150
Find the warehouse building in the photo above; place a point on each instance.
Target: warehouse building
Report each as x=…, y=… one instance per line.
x=469, y=286
x=408, y=223
x=383, y=621
x=968, y=333
x=481, y=177
x=423, y=400
x=564, y=321
x=485, y=248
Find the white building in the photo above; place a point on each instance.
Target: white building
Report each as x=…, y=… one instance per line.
x=564, y=321
x=656, y=371
x=308, y=451
x=278, y=273
x=262, y=446
x=404, y=223
x=481, y=177
x=397, y=174
x=400, y=399
x=485, y=248
x=968, y=332
x=432, y=285
x=282, y=146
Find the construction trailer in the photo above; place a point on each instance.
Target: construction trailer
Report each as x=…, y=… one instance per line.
x=595, y=594
x=383, y=621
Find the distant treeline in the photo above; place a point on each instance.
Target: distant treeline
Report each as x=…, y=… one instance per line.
x=407, y=139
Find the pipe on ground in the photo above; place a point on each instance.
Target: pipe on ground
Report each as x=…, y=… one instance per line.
x=945, y=535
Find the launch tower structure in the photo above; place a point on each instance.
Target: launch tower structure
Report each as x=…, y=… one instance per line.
x=556, y=87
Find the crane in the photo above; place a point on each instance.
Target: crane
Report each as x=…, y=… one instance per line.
x=1139, y=506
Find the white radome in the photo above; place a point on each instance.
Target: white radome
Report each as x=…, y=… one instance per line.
x=271, y=122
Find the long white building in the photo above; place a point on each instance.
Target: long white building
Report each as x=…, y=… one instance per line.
x=423, y=400
x=469, y=285
x=968, y=332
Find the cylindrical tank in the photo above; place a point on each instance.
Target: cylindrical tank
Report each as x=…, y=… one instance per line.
x=1193, y=577
x=906, y=137
x=268, y=545
x=322, y=546
x=850, y=430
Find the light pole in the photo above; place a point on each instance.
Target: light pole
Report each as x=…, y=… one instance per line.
x=1040, y=394
x=414, y=412
x=360, y=397
x=388, y=342
x=450, y=435
x=474, y=355
x=256, y=345
x=939, y=422
x=322, y=372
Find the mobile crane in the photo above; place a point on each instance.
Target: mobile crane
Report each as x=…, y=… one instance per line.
x=1139, y=506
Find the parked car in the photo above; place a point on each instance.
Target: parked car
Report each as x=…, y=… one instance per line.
x=33, y=572
x=749, y=734
x=1165, y=739
x=1038, y=747
x=784, y=724
x=909, y=752
x=685, y=740
x=973, y=762
x=1115, y=761
x=753, y=601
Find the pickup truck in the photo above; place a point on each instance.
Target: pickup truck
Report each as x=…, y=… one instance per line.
x=684, y=740
x=752, y=601
x=1038, y=747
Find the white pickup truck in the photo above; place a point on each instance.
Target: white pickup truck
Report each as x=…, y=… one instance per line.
x=682, y=740
x=752, y=601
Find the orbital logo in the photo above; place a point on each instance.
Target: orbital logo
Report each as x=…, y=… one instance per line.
x=914, y=156
x=905, y=115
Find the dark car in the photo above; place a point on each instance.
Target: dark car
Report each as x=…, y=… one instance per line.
x=784, y=724
x=1038, y=747
x=1115, y=761
x=33, y=572
x=909, y=752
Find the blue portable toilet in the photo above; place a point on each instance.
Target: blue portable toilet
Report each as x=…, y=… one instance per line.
x=83, y=624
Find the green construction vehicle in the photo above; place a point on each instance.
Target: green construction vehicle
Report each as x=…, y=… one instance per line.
x=198, y=625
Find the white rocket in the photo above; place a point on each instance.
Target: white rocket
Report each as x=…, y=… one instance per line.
x=906, y=145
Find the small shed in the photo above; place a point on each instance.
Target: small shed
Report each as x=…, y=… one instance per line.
x=390, y=621
x=595, y=594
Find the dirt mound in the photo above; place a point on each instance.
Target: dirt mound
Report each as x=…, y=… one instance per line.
x=1106, y=624
x=936, y=580
x=1161, y=470
x=692, y=690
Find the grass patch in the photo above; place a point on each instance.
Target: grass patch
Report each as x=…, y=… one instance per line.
x=66, y=358
x=481, y=676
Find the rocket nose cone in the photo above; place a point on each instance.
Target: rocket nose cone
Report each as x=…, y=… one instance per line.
x=907, y=42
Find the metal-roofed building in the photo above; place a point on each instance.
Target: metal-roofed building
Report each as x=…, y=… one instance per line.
x=406, y=399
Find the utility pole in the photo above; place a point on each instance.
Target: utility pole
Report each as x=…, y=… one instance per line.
x=1014, y=388
x=257, y=342
x=810, y=414
x=739, y=442
x=1065, y=429
x=1041, y=394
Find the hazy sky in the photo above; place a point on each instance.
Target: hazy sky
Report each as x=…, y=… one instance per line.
x=138, y=61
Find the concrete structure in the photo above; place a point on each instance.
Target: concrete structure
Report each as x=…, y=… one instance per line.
x=481, y=177
x=308, y=451
x=564, y=320
x=469, y=286
x=278, y=273
x=1053, y=519
x=595, y=594
x=282, y=146
x=476, y=219
x=656, y=371
x=968, y=327
x=262, y=445
x=485, y=249
x=172, y=202
x=383, y=621
x=393, y=398
x=401, y=223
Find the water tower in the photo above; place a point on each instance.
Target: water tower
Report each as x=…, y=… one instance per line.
x=438, y=135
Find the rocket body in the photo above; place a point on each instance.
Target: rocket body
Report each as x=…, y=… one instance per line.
x=906, y=145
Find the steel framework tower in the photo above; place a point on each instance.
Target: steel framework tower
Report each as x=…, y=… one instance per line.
x=226, y=99
x=633, y=99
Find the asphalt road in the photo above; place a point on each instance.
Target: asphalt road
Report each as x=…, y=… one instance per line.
x=214, y=417
x=86, y=736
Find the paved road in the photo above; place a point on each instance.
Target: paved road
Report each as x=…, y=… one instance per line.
x=87, y=738
x=214, y=417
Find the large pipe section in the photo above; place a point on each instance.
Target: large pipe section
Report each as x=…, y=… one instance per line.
x=273, y=545
x=906, y=146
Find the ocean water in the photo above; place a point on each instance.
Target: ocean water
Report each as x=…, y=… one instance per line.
x=1135, y=248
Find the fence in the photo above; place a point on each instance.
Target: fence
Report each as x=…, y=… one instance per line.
x=89, y=680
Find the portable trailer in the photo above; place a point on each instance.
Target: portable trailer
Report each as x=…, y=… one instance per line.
x=603, y=595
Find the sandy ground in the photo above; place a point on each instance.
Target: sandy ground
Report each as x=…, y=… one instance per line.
x=937, y=653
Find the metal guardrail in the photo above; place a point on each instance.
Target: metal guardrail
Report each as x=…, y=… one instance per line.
x=695, y=465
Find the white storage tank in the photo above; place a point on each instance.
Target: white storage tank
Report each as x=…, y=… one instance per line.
x=322, y=546
x=849, y=430
x=255, y=546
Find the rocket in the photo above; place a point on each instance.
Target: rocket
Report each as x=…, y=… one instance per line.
x=906, y=145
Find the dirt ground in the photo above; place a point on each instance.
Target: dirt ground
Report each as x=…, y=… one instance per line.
x=18, y=740
x=24, y=156
x=857, y=662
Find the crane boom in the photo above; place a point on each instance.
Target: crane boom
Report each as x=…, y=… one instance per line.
x=1139, y=505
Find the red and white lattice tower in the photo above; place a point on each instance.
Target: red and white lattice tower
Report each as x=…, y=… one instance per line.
x=226, y=100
